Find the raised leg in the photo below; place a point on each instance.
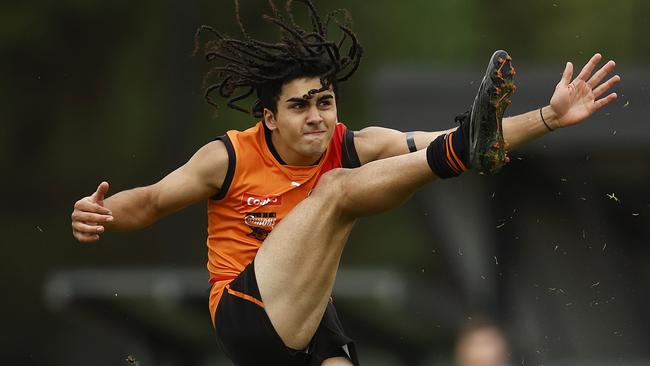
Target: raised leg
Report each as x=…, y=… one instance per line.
x=297, y=263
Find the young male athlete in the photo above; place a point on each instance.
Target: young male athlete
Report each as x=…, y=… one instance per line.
x=284, y=195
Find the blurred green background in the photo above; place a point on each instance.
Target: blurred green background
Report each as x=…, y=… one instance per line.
x=95, y=91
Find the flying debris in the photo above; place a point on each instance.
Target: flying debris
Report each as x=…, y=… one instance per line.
x=612, y=196
x=132, y=361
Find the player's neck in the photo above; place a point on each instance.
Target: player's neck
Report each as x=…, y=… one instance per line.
x=287, y=155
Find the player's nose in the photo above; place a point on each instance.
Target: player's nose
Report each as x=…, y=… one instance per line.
x=314, y=115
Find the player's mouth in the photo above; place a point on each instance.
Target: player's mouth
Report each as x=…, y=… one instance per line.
x=314, y=133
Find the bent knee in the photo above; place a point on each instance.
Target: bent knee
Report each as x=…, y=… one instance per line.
x=332, y=188
x=332, y=182
x=335, y=190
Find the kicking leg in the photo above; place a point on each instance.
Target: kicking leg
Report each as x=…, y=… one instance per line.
x=297, y=263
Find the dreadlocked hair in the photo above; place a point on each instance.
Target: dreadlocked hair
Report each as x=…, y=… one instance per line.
x=246, y=66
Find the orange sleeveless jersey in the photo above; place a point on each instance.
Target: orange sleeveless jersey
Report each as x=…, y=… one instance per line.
x=257, y=193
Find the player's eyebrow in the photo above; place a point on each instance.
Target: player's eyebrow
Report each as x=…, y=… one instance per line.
x=302, y=100
x=295, y=100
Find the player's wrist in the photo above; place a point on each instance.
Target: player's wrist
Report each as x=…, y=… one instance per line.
x=549, y=119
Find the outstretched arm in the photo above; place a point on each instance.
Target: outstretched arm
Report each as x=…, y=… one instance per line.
x=572, y=102
x=200, y=178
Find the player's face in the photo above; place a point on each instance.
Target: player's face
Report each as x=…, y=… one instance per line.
x=302, y=128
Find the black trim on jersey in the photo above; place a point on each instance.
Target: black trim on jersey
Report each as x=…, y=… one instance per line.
x=269, y=143
x=349, y=156
x=232, y=163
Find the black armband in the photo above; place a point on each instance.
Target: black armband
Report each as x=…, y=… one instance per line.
x=410, y=142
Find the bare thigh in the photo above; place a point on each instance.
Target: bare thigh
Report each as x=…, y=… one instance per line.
x=296, y=267
x=297, y=263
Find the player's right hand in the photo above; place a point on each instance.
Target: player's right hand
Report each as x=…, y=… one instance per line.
x=89, y=214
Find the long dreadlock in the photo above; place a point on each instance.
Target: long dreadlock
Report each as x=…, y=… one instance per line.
x=251, y=66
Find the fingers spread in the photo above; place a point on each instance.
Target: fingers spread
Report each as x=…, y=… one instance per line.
x=604, y=101
x=589, y=67
x=602, y=88
x=601, y=73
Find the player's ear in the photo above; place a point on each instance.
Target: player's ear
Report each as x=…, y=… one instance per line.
x=269, y=119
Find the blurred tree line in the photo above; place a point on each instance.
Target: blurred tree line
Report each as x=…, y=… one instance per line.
x=79, y=75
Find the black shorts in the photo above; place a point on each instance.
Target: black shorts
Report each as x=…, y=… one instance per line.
x=246, y=335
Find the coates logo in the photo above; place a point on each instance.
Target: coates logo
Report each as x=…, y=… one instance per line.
x=255, y=200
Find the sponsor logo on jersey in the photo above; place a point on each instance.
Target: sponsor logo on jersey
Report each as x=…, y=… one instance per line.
x=260, y=219
x=256, y=200
x=260, y=223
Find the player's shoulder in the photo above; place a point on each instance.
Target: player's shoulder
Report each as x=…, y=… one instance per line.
x=368, y=136
x=210, y=159
x=369, y=132
x=215, y=149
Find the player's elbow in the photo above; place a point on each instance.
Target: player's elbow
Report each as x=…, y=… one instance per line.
x=151, y=209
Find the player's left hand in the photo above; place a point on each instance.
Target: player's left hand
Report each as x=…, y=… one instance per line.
x=575, y=100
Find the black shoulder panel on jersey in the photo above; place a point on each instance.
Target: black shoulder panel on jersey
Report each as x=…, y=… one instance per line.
x=232, y=162
x=349, y=156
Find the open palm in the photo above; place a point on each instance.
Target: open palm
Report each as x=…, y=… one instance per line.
x=574, y=101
